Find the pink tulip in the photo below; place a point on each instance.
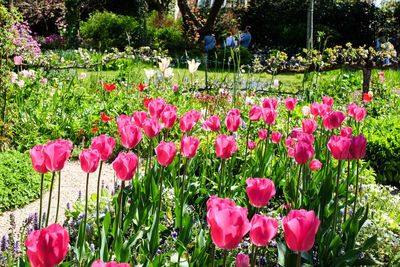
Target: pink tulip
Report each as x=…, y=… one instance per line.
x=306, y=138
x=324, y=110
x=262, y=230
x=18, y=60
x=251, y=145
x=123, y=120
x=262, y=134
x=333, y=120
x=233, y=122
x=233, y=112
x=346, y=131
x=228, y=224
x=327, y=100
x=156, y=107
x=151, y=127
x=270, y=103
x=260, y=191
x=306, y=111
x=300, y=227
x=189, y=146
x=139, y=117
x=212, y=123
x=100, y=263
x=352, y=107
x=339, y=147
x=315, y=109
x=187, y=121
x=276, y=137
x=225, y=146
x=289, y=142
x=297, y=131
x=291, y=152
x=125, y=166
x=56, y=153
x=269, y=115
x=131, y=135
x=48, y=246
x=104, y=145
x=358, y=147
x=242, y=260
x=303, y=152
x=219, y=203
x=37, y=157
x=170, y=107
x=165, y=153
x=315, y=165
x=309, y=126
x=89, y=160
x=168, y=118
x=290, y=103
x=255, y=113
x=360, y=113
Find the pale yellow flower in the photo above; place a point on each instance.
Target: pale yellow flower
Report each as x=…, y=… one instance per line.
x=168, y=72
x=164, y=64
x=193, y=65
x=149, y=73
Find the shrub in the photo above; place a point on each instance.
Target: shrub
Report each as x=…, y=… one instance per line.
x=383, y=148
x=105, y=29
x=19, y=183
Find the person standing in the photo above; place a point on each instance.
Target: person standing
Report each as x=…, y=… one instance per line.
x=209, y=42
x=245, y=37
x=230, y=41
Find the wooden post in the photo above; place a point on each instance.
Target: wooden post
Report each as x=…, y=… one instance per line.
x=366, y=80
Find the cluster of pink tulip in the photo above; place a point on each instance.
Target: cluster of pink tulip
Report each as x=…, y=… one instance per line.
x=229, y=223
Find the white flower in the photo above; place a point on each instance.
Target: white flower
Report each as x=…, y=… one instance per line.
x=164, y=64
x=168, y=72
x=31, y=72
x=14, y=77
x=276, y=84
x=21, y=83
x=249, y=101
x=149, y=73
x=82, y=76
x=193, y=65
x=44, y=81
x=306, y=110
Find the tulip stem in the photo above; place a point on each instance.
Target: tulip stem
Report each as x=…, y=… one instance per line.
x=119, y=217
x=254, y=249
x=299, y=259
x=86, y=206
x=48, y=206
x=298, y=185
x=41, y=196
x=98, y=203
x=224, y=260
x=59, y=193
x=183, y=191
x=336, y=197
x=213, y=255
x=347, y=190
x=288, y=123
x=221, y=176
x=160, y=193
x=245, y=154
x=355, y=197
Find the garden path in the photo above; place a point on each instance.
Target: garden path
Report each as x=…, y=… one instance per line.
x=73, y=180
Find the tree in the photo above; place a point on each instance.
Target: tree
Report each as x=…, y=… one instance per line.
x=193, y=24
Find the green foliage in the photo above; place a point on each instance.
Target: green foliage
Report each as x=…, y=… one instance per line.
x=19, y=183
x=166, y=34
x=105, y=30
x=383, y=148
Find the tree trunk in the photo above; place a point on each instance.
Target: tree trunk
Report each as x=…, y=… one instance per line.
x=310, y=25
x=366, y=80
x=11, y=4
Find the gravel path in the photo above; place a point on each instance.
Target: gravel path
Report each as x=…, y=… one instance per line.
x=73, y=180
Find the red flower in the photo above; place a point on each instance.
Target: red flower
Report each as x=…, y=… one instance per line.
x=366, y=97
x=140, y=87
x=109, y=87
x=95, y=129
x=146, y=102
x=105, y=118
x=82, y=132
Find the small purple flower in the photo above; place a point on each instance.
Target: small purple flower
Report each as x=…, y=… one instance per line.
x=246, y=245
x=68, y=206
x=158, y=252
x=362, y=255
x=174, y=235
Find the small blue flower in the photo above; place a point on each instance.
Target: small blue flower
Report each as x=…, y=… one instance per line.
x=362, y=255
x=174, y=235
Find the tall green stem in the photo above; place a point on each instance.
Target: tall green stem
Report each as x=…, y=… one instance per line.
x=224, y=260
x=59, y=194
x=288, y=123
x=183, y=191
x=355, y=197
x=336, y=197
x=298, y=259
x=48, y=207
x=221, y=176
x=98, y=203
x=41, y=200
x=213, y=255
x=347, y=190
x=245, y=154
x=298, y=186
x=86, y=206
x=120, y=208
